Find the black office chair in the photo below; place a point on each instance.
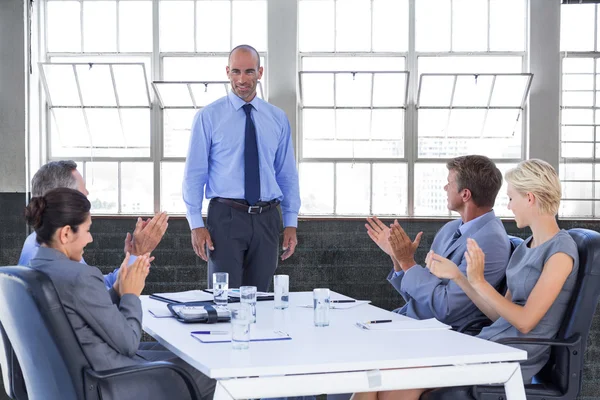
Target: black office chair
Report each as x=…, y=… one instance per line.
x=12, y=377
x=52, y=361
x=562, y=375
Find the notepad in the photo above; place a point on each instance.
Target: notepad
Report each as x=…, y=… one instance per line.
x=408, y=324
x=183, y=297
x=256, y=335
x=160, y=312
x=340, y=306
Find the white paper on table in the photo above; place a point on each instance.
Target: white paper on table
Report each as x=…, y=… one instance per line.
x=340, y=306
x=160, y=312
x=256, y=335
x=408, y=324
x=188, y=296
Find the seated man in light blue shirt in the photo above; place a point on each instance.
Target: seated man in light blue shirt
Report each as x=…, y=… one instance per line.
x=146, y=236
x=473, y=184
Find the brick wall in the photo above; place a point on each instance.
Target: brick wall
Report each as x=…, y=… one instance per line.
x=332, y=253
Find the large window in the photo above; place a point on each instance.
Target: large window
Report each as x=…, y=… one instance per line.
x=385, y=99
x=580, y=101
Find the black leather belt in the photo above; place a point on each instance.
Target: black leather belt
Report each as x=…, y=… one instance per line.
x=259, y=208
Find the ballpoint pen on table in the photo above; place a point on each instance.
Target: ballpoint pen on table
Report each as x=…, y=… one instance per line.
x=210, y=332
x=378, y=321
x=343, y=301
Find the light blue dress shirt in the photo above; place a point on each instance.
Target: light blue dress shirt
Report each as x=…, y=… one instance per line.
x=31, y=246
x=216, y=157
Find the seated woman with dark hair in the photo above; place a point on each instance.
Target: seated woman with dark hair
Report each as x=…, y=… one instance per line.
x=108, y=326
x=540, y=275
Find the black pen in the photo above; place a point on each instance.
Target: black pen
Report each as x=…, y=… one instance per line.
x=343, y=301
x=378, y=321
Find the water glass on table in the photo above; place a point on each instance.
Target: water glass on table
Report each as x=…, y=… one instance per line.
x=220, y=288
x=240, y=328
x=248, y=300
x=321, y=307
x=281, y=286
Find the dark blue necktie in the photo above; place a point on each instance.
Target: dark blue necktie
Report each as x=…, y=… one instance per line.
x=251, y=171
x=455, y=237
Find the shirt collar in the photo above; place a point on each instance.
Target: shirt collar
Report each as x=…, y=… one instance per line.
x=465, y=227
x=238, y=103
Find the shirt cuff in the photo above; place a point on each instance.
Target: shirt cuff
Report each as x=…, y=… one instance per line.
x=195, y=221
x=398, y=273
x=290, y=219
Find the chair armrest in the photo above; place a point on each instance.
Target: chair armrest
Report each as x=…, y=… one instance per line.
x=471, y=323
x=572, y=341
x=92, y=377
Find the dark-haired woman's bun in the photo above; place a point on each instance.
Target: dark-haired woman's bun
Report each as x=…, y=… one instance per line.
x=34, y=212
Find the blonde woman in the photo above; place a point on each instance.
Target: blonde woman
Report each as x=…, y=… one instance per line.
x=540, y=276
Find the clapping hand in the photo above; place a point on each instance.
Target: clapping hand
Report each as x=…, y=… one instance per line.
x=379, y=233
x=403, y=249
x=475, y=262
x=441, y=266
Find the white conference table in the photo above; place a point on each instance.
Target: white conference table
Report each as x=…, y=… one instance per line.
x=340, y=358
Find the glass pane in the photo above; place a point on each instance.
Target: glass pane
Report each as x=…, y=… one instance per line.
x=578, y=82
x=353, y=25
x=577, y=117
x=315, y=25
x=473, y=91
x=316, y=188
x=213, y=26
x=105, y=127
x=469, y=25
x=577, y=27
x=250, y=23
x=69, y=129
x=317, y=90
x=99, y=26
x=577, y=190
x=353, y=90
x=135, y=26
x=136, y=128
x=570, y=171
x=318, y=124
x=432, y=25
x=102, y=181
x=577, y=133
x=352, y=188
x=353, y=149
x=466, y=123
x=454, y=147
x=131, y=85
x=62, y=87
x=576, y=150
x=465, y=64
x=194, y=68
x=501, y=203
x=507, y=25
x=387, y=124
x=96, y=85
x=137, y=188
x=353, y=124
x=174, y=94
x=177, y=125
x=432, y=122
x=389, y=90
x=205, y=94
x=353, y=64
x=63, y=26
x=577, y=99
x=171, y=177
x=509, y=91
x=390, y=25
x=436, y=90
x=390, y=189
x=502, y=123
x=572, y=208
x=176, y=25
x=578, y=65
x=430, y=197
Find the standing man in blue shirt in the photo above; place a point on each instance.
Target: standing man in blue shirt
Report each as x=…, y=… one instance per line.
x=241, y=155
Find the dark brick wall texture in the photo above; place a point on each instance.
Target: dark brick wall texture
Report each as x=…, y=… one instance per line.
x=336, y=254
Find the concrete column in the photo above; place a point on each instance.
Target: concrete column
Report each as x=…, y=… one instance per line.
x=544, y=63
x=282, y=62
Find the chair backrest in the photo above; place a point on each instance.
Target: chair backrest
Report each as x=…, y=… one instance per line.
x=41, y=336
x=579, y=314
x=514, y=242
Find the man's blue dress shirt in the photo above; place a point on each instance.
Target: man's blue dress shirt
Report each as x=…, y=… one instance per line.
x=31, y=246
x=216, y=157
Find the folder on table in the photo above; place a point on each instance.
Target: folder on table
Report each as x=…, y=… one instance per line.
x=256, y=335
x=183, y=297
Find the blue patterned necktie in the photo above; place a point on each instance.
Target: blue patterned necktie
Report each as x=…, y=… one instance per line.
x=455, y=237
x=251, y=171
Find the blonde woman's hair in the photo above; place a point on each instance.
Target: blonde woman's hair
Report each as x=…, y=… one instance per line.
x=540, y=178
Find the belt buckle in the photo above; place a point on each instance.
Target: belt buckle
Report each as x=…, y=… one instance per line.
x=254, y=209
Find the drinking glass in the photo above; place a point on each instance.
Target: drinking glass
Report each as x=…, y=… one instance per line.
x=220, y=288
